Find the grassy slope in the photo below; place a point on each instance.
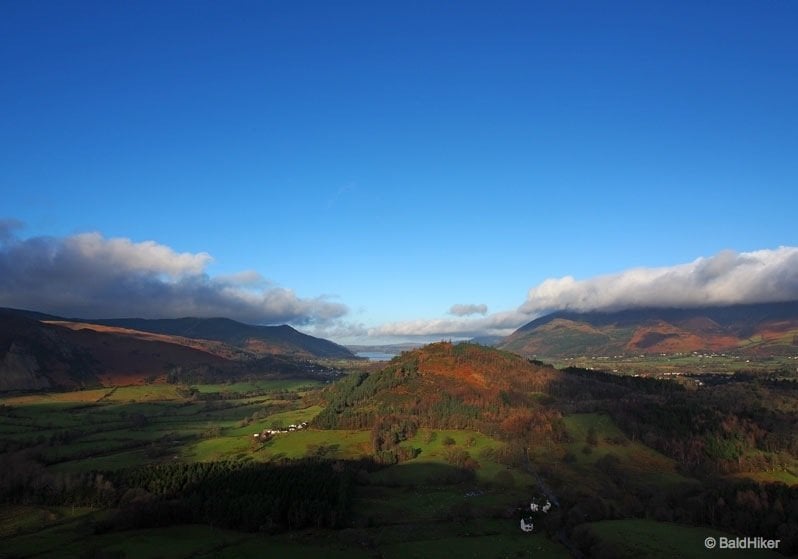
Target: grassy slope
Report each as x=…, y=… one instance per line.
x=778, y=476
x=643, y=462
x=432, y=456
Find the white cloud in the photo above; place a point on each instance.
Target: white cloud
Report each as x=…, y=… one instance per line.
x=90, y=276
x=347, y=332
x=145, y=258
x=465, y=310
x=499, y=324
x=727, y=278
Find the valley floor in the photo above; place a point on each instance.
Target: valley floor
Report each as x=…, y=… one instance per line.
x=412, y=509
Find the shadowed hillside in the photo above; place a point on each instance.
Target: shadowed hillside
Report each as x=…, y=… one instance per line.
x=39, y=351
x=35, y=356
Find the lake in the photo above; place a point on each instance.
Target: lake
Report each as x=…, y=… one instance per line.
x=376, y=355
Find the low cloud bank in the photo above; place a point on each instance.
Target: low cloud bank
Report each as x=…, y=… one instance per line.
x=465, y=310
x=727, y=278
x=90, y=276
x=499, y=324
x=763, y=276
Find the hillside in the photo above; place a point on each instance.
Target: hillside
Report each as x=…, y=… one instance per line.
x=752, y=330
x=443, y=385
x=47, y=354
x=258, y=339
x=34, y=356
x=602, y=444
x=40, y=351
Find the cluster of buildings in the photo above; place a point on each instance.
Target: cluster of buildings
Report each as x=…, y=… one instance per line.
x=266, y=433
x=526, y=523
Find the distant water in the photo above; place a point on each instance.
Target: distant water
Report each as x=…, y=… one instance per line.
x=375, y=355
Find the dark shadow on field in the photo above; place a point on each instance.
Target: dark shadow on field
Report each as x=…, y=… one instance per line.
x=420, y=473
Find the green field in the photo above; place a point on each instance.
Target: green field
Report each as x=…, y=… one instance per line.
x=498, y=546
x=471, y=539
x=115, y=428
x=657, y=365
x=21, y=519
x=778, y=476
x=68, y=536
x=49, y=533
x=258, y=386
x=431, y=462
x=663, y=540
x=423, y=507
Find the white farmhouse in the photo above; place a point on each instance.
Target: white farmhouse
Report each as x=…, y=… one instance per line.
x=526, y=524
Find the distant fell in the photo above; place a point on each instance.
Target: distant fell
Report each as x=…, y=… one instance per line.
x=754, y=329
x=41, y=351
x=490, y=341
x=261, y=339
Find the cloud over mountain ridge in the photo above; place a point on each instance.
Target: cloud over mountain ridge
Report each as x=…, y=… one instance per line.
x=727, y=278
x=89, y=275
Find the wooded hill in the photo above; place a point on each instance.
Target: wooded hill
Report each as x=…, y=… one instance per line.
x=442, y=385
x=743, y=427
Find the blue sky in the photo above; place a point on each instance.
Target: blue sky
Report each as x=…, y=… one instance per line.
x=393, y=159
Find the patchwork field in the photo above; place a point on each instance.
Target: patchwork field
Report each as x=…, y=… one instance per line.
x=661, y=365
x=451, y=493
x=121, y=427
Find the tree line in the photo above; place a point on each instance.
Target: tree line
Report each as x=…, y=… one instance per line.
x=285, y=495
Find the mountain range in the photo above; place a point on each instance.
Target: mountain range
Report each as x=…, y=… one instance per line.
x=39, y=351
x=754, y=329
